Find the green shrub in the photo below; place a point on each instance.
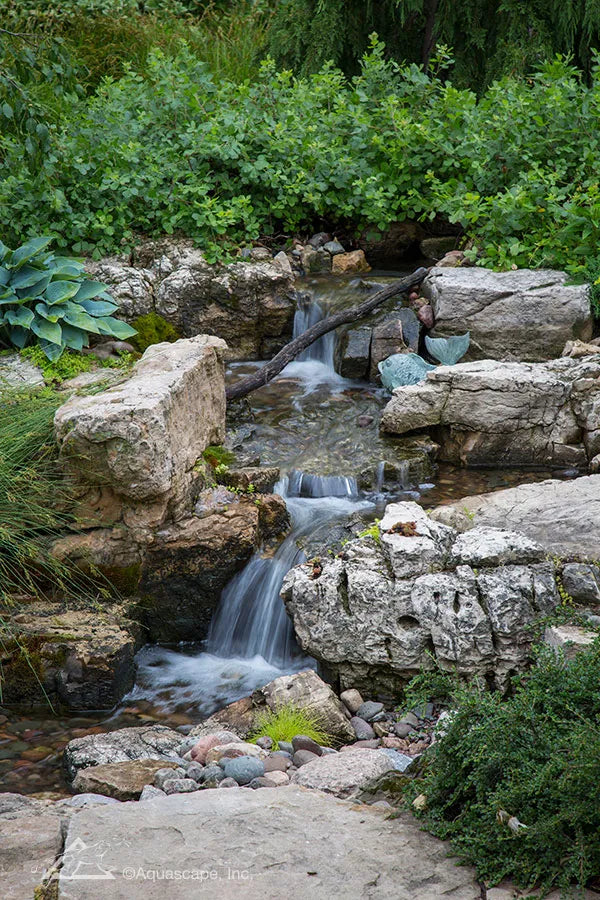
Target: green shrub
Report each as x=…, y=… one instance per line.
x=47, y=299
x=69, y=365
x=152, y=329
x=535, y=756
x=288, y=721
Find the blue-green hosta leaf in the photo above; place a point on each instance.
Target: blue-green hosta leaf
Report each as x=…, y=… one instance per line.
x=88, y=290
x=4, y=252
x=115, y=328
x=98, y=307
x=7, y=298
x=18, y=336
x=50, y=313
x=23, y=254
x=448, y=350
x=74, y=338
x=26, y=278
x=21, y=316
x=75, y=316
x=49, y=331
x=75, y=261
x=52, y=351
x=40, y=286
x=4, y=275
x=59, y=291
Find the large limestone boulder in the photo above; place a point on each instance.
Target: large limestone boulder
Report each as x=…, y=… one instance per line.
x=121, y=780
x=143, y=742
x=517, y=315
x=562, y=516
x=258, y=845
x=505, y=414
x=382, y=610
x=137, y=443
x=78, y=659
x=248, y=303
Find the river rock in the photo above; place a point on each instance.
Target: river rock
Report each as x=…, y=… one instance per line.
x=349, y=263
x=302, y=742
x=505, y=414
x=231, y=751
x=389, y=609
x=550, y=512
x=180, y=785
x=144, y=742
x=515, y=315
x=276, y=763
x=303, y=757
x=369, y=710
x=121, y=780
x=362, y=729
x=277, y=778
x=243, y=769
x=151, y=793
x=387, y=339
x=212, y=776
x=404, y=861
x=343, y=774
x=352, y=699
x=206, y=743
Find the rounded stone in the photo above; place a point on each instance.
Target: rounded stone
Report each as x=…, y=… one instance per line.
x=362, y=729
x=264, y=742
x=228, y=782
x=402, y=729
x=287, y=747
x=261, y=782
x=212, y=774
x=244, y=768
x=277, y=764
x=180, y=786
x=195, y=771
x=302, y=757
x=277, y=778
x=208, y=741
x=302, y=742
x=352, y=700
x=368, y=710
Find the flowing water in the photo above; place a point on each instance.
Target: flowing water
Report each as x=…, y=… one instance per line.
x=322, y=430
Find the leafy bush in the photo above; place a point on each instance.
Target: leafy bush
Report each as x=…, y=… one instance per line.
x=288, y=721
x=535, y=756
x=47, y=298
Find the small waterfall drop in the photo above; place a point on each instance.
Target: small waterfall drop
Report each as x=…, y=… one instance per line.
x=251, y=639
x=308, y=313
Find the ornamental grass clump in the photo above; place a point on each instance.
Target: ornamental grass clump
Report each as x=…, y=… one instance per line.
x=513, y=784
x=285, y=722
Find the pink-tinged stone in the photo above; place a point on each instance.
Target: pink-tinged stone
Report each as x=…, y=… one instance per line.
x=277, y=778
x=425, y=315
x=209, y=741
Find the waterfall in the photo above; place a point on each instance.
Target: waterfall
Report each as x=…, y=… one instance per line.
x=251, y=639
x=308, y=313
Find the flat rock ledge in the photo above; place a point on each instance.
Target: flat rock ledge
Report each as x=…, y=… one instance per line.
x=522, y=315
x=384, y=609
x=257, y=845
x=563, y=516
x=505, y=414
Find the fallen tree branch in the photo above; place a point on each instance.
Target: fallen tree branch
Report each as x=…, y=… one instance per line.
x=290, y=351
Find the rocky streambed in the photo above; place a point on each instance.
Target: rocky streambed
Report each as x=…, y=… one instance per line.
x=299, y=537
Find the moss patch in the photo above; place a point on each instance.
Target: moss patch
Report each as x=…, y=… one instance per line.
x=152, y=329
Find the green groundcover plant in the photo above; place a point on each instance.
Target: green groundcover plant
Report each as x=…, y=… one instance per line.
x=534, y=756
x=47, y=299
x=286, y=722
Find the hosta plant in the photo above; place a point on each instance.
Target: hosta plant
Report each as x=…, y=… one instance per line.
x=47, y=300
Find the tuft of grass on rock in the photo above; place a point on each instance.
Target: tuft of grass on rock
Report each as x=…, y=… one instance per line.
x=286, y=722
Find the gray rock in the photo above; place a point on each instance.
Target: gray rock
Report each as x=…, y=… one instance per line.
x=355, y=352
x=285, y=747
x=122, y=780
x=302, y=742
x=151, y=793
x=228, y=783
x=180, y=785
x=550, y=512
x=343, y=774
x=166, y=774
x=484, y=546
x=333, y=247
x=18, y=373
x=362, y=729
x=582, y=582
x=302, y=757
x=369, y=710
x=403, y=729
x=195, y=771
x=145, y=742
x=265, y=743
x=387, y=339
x=81, y=801
x=309, y=692
x=261, y=782
x=400, y=761
x=569, y=640
x=505, y=413
x=352, y=699
x=319, y=240
x=387, y=609
x=243, y=769
x=504, y=311
x=410, y=719
x=397, y=855
x=212, y=775
x=277, y=763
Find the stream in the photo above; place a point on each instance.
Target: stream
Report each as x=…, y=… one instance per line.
x=337, y=473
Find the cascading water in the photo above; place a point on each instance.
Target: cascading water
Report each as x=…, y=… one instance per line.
x=251, y=640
